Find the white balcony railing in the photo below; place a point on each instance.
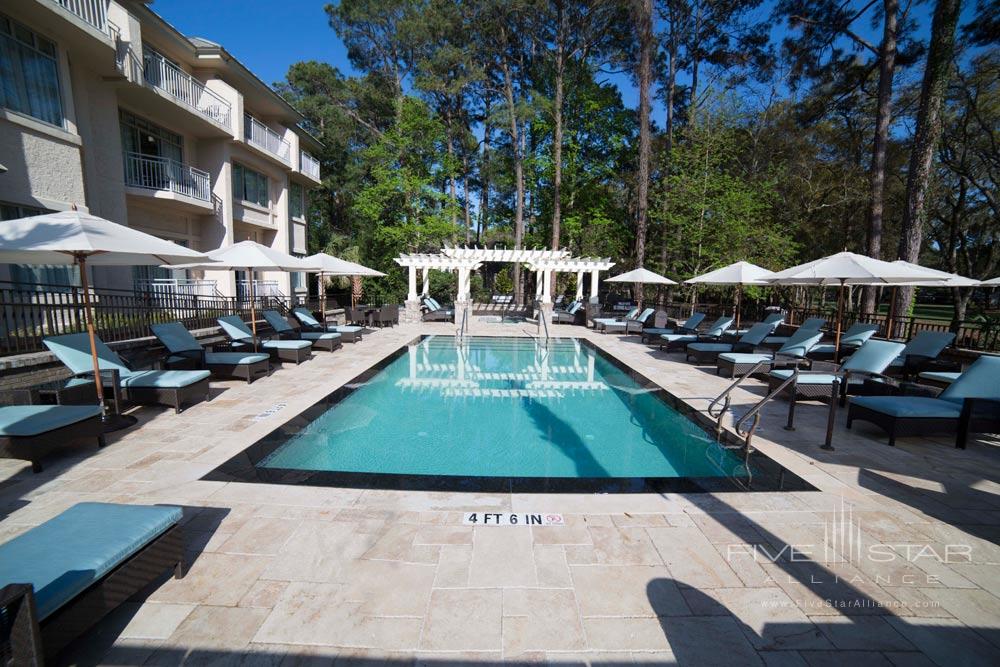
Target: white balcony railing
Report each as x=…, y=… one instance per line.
x=160, y=173
x=309, y=165
x=260, y=288
x=260, y=135
x=185, y=89
x=94, y=12
x=177, y=287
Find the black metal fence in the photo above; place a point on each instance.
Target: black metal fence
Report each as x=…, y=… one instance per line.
x=28, y=313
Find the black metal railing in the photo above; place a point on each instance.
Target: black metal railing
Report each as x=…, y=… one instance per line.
x=28, y=313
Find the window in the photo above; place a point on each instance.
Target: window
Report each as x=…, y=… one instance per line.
x=296, y=204
x=249, y=185
x=35, y=274
x=298, y=277
x=141, y=136
x=29, y=73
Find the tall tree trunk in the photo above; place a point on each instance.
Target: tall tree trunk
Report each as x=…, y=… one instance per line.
x=644, y=25
x=516, y=146
x=557, y=133
x=695, y=65
x=672, y=47
x=452, y=187
x=484, y=176
x=928, y=131
x=465, y=193
x=886, y=69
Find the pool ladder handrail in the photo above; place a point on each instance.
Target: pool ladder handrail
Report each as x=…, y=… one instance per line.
x=542, y=319
x=747, y=424
x=463, y=328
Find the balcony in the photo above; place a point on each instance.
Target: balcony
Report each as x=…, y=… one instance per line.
x=160, y=174
x=262, y=137
x=185, y=89
x=92, y=12
x=309, y=165
x=172, y=287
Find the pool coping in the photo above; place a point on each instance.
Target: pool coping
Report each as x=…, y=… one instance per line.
x=769, y=475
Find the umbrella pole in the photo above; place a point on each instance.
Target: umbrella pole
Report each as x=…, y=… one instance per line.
x=88, y=317
x=840, y=319
x=889, y=328
x=739, y=298
x=253, y=307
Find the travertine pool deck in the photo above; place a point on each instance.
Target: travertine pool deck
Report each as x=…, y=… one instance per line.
x=894, y=561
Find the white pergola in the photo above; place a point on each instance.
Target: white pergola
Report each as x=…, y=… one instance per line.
x=464, y=260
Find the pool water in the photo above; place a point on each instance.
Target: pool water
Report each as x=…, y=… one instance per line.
x=505, y=407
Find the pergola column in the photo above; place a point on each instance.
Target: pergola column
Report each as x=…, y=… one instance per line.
x=579, y=285
x=594, y=278
x=547, y=286
x=427, y=282
x=463, y=285
x=538, y=285
x=411, y=294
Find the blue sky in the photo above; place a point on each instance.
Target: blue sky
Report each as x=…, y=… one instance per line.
x=269, y=35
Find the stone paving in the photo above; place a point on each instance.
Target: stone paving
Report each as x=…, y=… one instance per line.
x=301, y=575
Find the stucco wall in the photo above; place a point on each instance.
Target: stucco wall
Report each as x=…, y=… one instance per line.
x=43, y=168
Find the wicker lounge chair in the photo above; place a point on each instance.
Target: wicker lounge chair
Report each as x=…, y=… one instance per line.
x=811, y=324
x=868, y=363
x=707, y=352
x=921, y=354
x=792, y=353
x=689, y=326
x=942, y=379
x=774, y=320
x=183, y=349
x=320, y=340
x=971, y=404
x=348, y=334
x=600, y=323
x=680, y=341
x=280, y=350
x=31, y=432
x=435, y=313
x=58, y=579
x=568, y=316
x=175, y=388
x=852, y=339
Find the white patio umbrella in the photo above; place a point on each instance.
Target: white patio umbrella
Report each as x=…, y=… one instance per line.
x=640, y=276
x=992, y=282
x=325, y=264
x=848, y=268
x=250, y=256
x=737, y=273
x=81, y=239
x=944, y=279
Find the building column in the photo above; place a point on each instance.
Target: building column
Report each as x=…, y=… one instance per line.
x=547, y=286
x=579, y=285
x=411, y=294
x=594, y=278
x=538, y=284
x=427, y=282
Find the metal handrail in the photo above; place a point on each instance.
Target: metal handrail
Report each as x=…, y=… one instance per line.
x=164, y=75
x=257, y=134
x=740, y=425
x=309, y=165
x=464, y=326
x=153, y=172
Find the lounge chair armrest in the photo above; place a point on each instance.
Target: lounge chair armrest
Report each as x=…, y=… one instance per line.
x=824, y=366
x=18, y=604
x=788, y=360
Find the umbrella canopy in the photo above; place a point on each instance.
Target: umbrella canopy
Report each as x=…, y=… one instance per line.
x=737, y=273
x=249, y=255
x=640, y=275
x=74, y=237
x=848, y=268
x=992, y=282
x=60, y=238
x=334, y=266
x=944, y=279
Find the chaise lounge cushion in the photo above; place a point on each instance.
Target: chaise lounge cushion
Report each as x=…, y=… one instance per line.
x=319, y=335
x=66, y=554
x=25, y=421
x=164, y=379
x=738, y=358
x=910, y=406
x=939, y=376
x=710, y=347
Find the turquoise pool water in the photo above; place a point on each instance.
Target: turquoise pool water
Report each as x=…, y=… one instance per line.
x=504, y=407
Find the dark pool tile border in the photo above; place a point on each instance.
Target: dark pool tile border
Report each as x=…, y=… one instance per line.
x=768, y=474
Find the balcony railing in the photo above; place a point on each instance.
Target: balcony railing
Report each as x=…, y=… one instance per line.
x=160, y=173
x=309, y=165
x=185, y=89
x=177, y=286
x=94, y=12
x=261, y=288
x=260, y=135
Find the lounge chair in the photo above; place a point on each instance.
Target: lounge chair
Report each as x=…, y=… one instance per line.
x=280, y=350
x=689, y=326
x=58, y=579
x=811, y=324
x=868, y=362
x=568, y=316
x=321, y=340
x=31, y=432
x=792, y=353
x=435, y=313
x=184, y=349
x=708, y=352
x=921, y=353
x=387, y=315
x=348, y=334
x=940, y=379
x=852, y=339
x=674, y=341
x=971, y=404
x=175, y=388
x=774, y=320
x=601, y=322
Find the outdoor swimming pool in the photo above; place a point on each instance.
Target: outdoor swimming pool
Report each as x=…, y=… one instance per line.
x=488, y=412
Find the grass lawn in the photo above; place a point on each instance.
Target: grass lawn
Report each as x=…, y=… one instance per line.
x=928, y=311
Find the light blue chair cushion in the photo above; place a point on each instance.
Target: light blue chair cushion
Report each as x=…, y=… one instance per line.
x=343, y=328
x=645, y=315
x=800, y=342
x=276, y=321
x=319, y=335
x=679, y=338
x=175, y=337
x=910, y=406
x=719, y=326
x=872, y=357
x=814, y=323
x=234, y=358
x=693, y=321
x=825, y=348
x=928, y=343
x=66, y=554
x=234, y=327
x=607, y=320
x=739, y=358
x=164, y=379
x=939, y=376
x=73, y=350
x=305, y=317
x=757, y=333
x=285, y=344
x=710, y=347
x=574, y=307
x=978, y=381
x=658, y=331
x=776, y=340
x=20, y=421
